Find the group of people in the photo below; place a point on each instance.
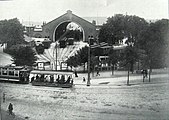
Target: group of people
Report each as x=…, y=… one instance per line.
x=50, y=78
x=43, y=78
x=145, y=73
x=24, y=76
x=62, y=80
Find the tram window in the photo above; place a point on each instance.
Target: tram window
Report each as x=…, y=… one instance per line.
x=11, y=72
x=16, y=73
x=4, y=71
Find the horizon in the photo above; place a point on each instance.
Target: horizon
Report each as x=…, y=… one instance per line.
x=99, y=21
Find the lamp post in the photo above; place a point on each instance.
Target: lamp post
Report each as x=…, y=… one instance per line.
x=88, y=65
x=131, y=44
x=56, y=56
x=0, y=108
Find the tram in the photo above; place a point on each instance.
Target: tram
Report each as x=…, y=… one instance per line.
x=18, y=74
x=52, y=78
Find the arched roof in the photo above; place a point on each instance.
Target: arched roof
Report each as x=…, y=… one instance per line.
x=89, y=29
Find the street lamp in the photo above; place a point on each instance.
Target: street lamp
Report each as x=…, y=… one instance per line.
x=56, y=55
x=88, y=66
x=0, y=108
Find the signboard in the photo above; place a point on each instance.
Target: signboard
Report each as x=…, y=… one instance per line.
x=40, y=66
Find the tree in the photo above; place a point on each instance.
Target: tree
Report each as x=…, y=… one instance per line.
x=73, y=61
x=80, y=58
x=113, y=31
x=23, y=55
x=82, y=55
x=11, y=32
x=113, y=58
x=134, y=25
x=154, y=40
x=128, y=57
x=121, y=26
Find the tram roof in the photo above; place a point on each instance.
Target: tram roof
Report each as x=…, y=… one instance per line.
x=15, y=67
x=45, y=72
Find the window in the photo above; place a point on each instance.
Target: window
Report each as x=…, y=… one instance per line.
x=4, y=71
x=16, y=73
x=11, y=73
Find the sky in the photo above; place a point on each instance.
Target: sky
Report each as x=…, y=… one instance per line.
x=47, y=10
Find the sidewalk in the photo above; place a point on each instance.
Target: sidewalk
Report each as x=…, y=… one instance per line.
x=5, y=116
x=119, y=78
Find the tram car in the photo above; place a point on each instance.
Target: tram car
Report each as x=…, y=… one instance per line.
x=18, y=74
x=52, y=78
x=63, y=42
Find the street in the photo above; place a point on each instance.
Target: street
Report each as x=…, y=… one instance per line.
x=145, y=101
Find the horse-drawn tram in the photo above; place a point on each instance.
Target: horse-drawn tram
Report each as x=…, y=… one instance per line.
x=18, y=74
x=52, y=78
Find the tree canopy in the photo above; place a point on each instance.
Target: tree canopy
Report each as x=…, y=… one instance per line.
x=23, y=55
x=11, y=32
x=119, y=27
x=154, y=40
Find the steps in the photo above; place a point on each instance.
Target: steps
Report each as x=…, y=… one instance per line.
x=62, y=53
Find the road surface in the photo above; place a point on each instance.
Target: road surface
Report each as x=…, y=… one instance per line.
x=144, y=101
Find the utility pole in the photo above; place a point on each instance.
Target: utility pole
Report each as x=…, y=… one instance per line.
x=128, y=74
x=0, y=109
x=88, y=65
x=56, y=56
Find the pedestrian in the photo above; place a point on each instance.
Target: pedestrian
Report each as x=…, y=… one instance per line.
x=146, y=73
x=84, y=80
x=76, y=74
x=97, y=74
x=10, y=108
x=3, y=97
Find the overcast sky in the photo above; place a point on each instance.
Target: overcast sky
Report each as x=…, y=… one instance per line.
x=47, y=10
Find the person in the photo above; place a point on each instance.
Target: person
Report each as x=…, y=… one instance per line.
x=97, y=74
x=76, y=74
x=42, y=78
x=3, y=97
x=62, y=80
x=51, y=78
x=37, y=77
x=84, y=80
x=58, y=78
x=32, y=79
x=68, y=80
x=10, y=108
x=146, y=73
x=72, y=81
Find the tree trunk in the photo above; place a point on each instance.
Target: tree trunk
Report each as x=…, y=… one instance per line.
x=150, y=71
x=83, y=67
x=93, y=71
x=112, y=69
x=132, y=67
x=150, y=74
x=138, y=67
